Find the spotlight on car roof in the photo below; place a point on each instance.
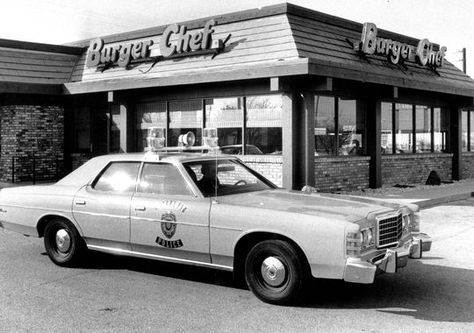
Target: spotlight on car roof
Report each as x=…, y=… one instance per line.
x=155, y=139
x=187, y=140
x=209, y=137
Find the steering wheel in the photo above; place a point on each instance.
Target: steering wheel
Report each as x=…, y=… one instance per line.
x=240, y=182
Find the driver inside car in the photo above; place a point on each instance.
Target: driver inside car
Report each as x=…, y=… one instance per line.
x=209, y=183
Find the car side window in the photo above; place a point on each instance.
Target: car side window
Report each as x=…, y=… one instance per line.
x=118, y=177
x=162, y=178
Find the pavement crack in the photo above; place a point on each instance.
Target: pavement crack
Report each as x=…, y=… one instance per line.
x=61, y=279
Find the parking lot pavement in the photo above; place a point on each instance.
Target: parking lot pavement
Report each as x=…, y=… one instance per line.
x=116, y=294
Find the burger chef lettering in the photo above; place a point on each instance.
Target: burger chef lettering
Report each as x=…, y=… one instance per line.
x=183, y=42
x=397, y=52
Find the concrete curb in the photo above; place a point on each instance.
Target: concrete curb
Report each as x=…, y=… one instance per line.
x=438, y=201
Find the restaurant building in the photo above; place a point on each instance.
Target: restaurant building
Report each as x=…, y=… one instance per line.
x=303, y=97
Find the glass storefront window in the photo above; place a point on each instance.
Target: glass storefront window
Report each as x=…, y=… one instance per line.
x=387, y=127
x=464, y=130
x=404, y=128
x=472, y=130
x=264, y=132
x=226, y=114
x=423, y=129
x=185, y=116
x=440, y=129
x=149, y=115
x=325, y=125
x=115, y=128
x=351, y=127
x=82, y=123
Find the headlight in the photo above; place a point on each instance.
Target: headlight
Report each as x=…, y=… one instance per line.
x=411, y=223
x=367, y=237
x=358, y=241
x=406, y=222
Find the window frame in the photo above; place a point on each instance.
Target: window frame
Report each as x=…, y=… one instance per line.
x=336, y=126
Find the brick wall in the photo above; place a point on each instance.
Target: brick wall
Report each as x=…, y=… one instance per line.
x=78, y=159
x=32, y=136
x=269, y=166
x=341, y=173
x=415, y=168
x=468, y=165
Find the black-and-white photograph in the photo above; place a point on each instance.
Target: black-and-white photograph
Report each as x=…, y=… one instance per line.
x=237, y=166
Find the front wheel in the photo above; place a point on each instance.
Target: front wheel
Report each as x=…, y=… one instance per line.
x=63, y=243
x=275, y=272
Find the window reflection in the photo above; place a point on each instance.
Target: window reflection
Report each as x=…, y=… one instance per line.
x=349, y=114
x=226, y=114
x=264, y=124
x=162, y=179
x=324, y=127
x=404, y=128
x=351, y=127
x=423, y=129
x=472, y=131
x=149, y=115
x=185, y=116
x=387, y=126
x=464, y=130
x=440, y=129
x=119, y=177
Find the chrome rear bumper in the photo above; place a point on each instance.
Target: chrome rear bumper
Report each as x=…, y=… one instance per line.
x=360, y=270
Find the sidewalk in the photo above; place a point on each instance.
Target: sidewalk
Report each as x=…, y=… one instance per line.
x=424, y=196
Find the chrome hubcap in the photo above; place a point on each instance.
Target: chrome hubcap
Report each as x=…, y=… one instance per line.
x=63, y=240
x=273, y=271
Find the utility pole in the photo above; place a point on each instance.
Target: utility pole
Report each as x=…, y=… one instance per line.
x=464, y=60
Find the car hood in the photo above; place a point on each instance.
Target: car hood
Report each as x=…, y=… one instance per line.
x=318, y=204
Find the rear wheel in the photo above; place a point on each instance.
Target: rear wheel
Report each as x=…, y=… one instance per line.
x=275, y=272
x=63, y=243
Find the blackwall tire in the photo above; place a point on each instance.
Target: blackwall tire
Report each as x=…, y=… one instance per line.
x=274, y=272
x=63, y=243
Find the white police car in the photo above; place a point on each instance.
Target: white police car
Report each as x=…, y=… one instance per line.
x=212, y=210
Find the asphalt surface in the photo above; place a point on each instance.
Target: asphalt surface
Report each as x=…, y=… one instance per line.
x=117, y=294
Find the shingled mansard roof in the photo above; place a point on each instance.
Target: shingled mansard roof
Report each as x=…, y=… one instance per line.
x=279, y=40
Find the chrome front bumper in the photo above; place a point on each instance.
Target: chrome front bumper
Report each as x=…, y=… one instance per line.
x=359, y=270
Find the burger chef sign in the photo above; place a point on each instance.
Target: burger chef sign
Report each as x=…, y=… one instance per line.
x=396, y=52
x=175, y=40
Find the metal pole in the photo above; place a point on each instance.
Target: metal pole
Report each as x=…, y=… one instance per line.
x=464, y=69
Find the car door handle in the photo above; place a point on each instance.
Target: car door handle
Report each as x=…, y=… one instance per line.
x=80, y=202
x=140, y=208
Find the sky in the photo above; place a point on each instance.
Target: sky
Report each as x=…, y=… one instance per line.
x=448, y=23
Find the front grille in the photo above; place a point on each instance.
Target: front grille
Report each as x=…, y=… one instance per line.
x=389, y=229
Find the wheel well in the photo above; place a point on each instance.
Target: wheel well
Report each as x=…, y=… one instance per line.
x=45, y=220
x=245, y=244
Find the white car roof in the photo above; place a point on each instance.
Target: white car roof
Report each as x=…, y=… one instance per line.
x=86, y=172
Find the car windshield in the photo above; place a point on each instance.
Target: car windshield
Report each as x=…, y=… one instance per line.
x=225, y=177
